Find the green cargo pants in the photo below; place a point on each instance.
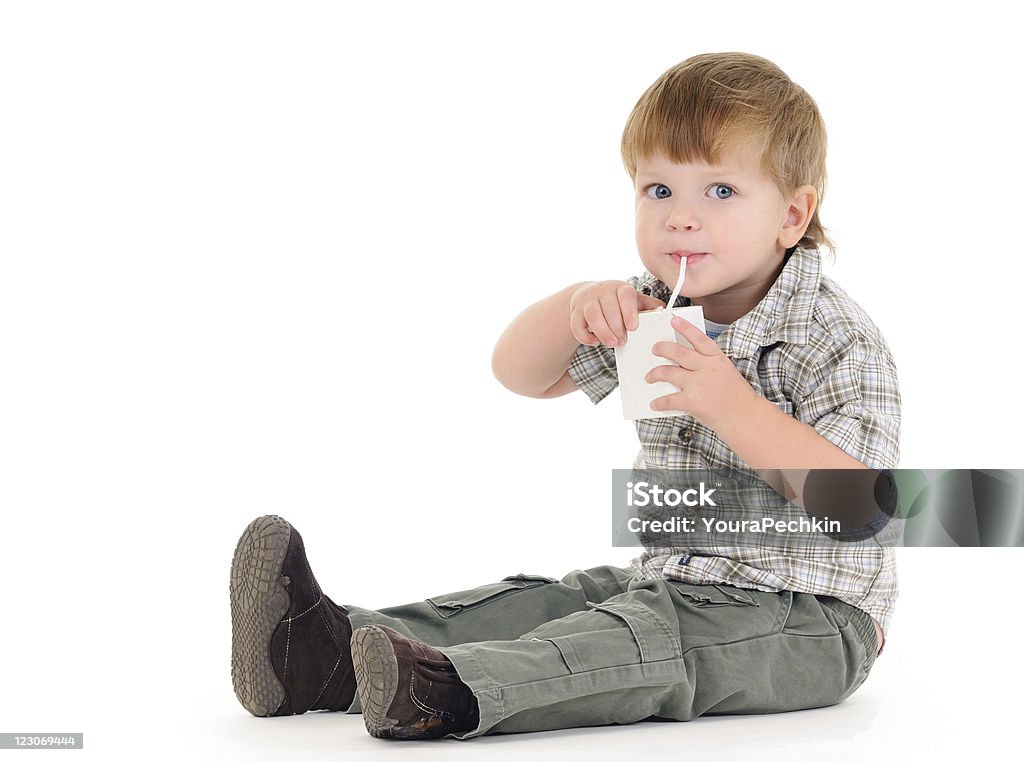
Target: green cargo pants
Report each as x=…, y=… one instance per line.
x=601, y=648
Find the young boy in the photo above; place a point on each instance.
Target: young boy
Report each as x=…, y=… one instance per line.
x=727, y=156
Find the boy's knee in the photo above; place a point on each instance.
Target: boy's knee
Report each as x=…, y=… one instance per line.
x=600, y=582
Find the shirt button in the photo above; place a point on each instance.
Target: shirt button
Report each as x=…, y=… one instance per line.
x=686, y=436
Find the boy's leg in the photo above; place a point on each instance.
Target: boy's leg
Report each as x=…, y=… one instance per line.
x=498, y=611
x=669, y=650
x=501, y=610
x=290, y=642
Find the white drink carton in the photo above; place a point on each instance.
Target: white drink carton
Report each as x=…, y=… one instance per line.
x=635, y=360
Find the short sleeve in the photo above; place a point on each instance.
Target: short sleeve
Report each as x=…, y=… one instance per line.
x=593, y=369
x=856, y=403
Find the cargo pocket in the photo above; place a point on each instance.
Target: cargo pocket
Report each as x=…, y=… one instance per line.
x=708, y=596
x=636, y=636
x=453, y=604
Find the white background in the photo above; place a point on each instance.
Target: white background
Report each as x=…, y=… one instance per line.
x=254, y=258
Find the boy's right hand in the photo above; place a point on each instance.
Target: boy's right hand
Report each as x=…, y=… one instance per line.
x=601, y=312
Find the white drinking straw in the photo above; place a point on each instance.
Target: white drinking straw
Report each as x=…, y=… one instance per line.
x=679, y=283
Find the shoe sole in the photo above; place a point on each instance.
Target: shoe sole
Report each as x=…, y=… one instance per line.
x=376, y=668
x=258, y=604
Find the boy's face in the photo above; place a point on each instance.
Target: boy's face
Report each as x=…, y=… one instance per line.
x=729, y=220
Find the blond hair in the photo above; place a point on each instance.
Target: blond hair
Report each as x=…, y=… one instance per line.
x=717, y=100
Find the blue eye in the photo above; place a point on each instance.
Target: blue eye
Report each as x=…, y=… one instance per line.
x=658, y=191
x=723, y=191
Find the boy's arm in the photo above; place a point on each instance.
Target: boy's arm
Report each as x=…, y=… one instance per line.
x=856, y=404
x=765, y=437
x=532, y=356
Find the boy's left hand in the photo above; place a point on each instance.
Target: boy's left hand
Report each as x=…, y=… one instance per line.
x=710, y=387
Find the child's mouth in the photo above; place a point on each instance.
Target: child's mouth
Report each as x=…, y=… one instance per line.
x=691, y=259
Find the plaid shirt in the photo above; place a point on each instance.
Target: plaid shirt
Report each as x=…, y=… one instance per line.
x=809, y=349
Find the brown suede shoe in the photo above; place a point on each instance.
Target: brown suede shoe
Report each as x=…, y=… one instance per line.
x=289, y=642
x=408, y=689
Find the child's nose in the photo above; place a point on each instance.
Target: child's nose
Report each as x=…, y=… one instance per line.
x=682, y=216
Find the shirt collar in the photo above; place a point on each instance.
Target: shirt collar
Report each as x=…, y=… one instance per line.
x=784, y=314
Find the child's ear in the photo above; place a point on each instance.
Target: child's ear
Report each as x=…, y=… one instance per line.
x=801, y=208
